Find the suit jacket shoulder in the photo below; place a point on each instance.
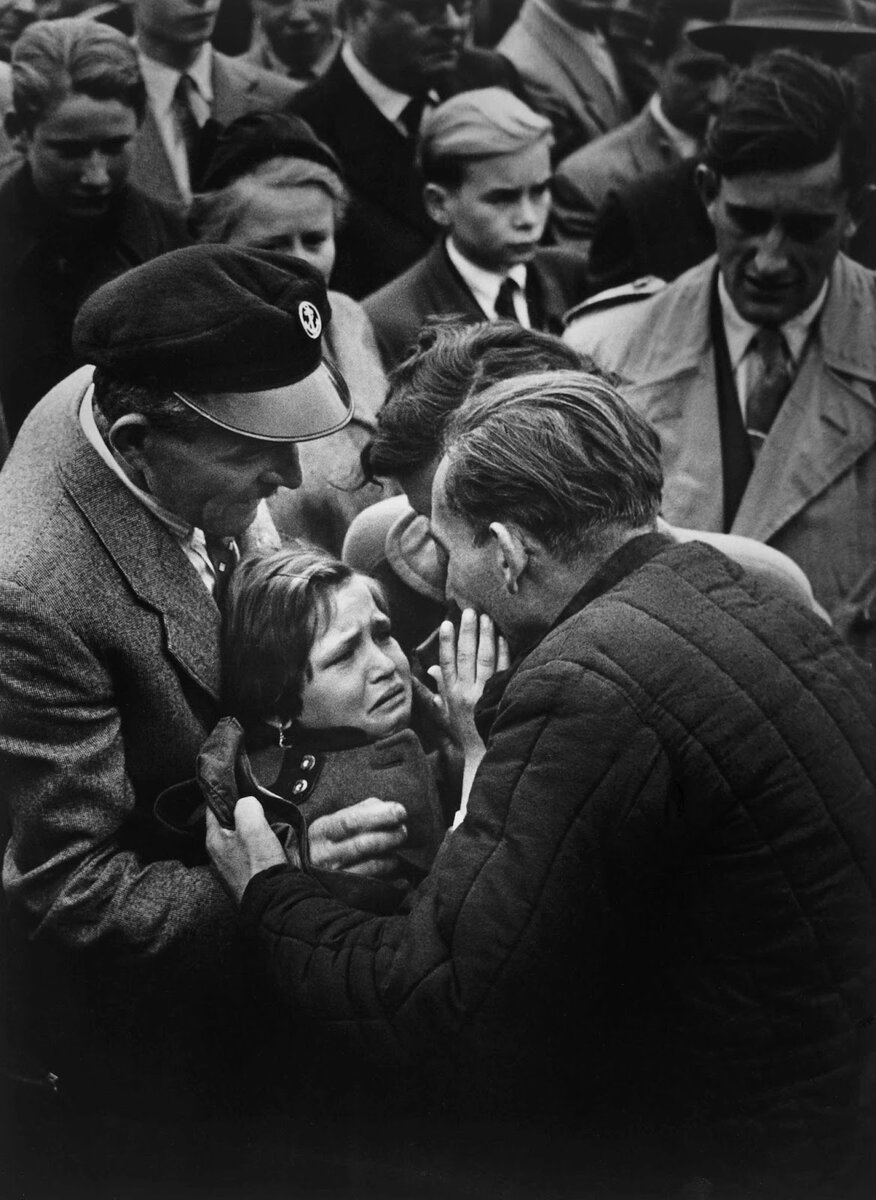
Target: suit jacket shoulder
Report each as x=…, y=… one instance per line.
x=584, y=180
x=429, y=288
x=240, y=87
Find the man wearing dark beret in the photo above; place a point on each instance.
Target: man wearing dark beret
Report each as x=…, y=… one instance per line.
x=130, y=492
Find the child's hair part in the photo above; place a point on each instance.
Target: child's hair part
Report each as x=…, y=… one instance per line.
x=274, y=608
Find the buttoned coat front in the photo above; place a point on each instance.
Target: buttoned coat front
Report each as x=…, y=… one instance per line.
x=812, y=493
x=238, y=88
x=110, y=682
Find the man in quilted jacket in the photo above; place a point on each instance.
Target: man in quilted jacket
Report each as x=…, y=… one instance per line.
x=645, y=962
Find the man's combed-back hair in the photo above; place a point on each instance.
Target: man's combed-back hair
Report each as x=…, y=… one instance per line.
x=115, y=397
x=788, y=112
x=275, y=606
x=53, y=59
x=559, y=454
x=450, y=362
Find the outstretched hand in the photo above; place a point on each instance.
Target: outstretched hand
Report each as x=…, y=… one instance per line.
x=466, y=663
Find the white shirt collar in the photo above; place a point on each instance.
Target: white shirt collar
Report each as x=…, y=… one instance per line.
x=739, y=332
x=685, y=145
x=484, y=285
x=390, y=103
x=161, y=80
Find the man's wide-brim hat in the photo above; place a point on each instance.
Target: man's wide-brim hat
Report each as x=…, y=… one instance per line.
x=236, y=334
x=826, y=25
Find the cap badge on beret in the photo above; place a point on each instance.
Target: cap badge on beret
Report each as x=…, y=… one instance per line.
x=311, y=321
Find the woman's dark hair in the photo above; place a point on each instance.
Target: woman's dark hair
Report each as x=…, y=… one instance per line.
x=788, y=112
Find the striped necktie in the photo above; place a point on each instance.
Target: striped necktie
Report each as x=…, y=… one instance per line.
x=772, y=376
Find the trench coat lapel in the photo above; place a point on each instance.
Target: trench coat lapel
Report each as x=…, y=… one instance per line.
x=824, y=426
x=676, y=393
x=828, y=420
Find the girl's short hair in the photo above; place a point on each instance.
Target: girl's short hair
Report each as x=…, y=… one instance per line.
x=274, y=607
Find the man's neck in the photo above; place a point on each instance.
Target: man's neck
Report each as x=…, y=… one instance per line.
x=171, y=54
x=554, y=583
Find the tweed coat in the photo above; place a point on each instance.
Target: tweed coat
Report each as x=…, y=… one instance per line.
x=432, y=287
x=110, y=683
x=238, y=88
x=659, y=913
x=583, y=181
x=387, y=227
x=561, y=80
x=812, y=493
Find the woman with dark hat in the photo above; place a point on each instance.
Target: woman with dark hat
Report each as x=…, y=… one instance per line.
x=271, y=184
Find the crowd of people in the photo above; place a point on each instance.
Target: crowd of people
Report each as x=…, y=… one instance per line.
x=438, y=598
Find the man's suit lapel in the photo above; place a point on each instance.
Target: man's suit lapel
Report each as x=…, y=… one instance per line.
x=149, y=558
x=444, y=289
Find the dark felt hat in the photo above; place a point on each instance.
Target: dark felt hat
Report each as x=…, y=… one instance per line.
x=258, y=137
x=828, y=25
x=234, y=333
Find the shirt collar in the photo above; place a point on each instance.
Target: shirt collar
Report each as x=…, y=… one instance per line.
x=161, y=80
x=484, y=285
x=390, y=103
x=685, y=145
x=739, y=332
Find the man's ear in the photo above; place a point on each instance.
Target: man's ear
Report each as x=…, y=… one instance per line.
x=707, y=186
x=435, y=199
x=128, y=437
x=512, y=555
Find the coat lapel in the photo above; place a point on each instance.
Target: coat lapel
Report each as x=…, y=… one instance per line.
x=828, y=420
x=824, y=426
x=148, y=557
x=445, y=290
x=676, y=391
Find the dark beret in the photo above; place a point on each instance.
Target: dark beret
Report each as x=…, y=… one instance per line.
x=258, y=137
x=235, y=333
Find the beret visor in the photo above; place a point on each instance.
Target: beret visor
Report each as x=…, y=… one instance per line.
x=312, y=408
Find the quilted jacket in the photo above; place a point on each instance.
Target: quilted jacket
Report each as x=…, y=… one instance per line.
x=658, y=919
